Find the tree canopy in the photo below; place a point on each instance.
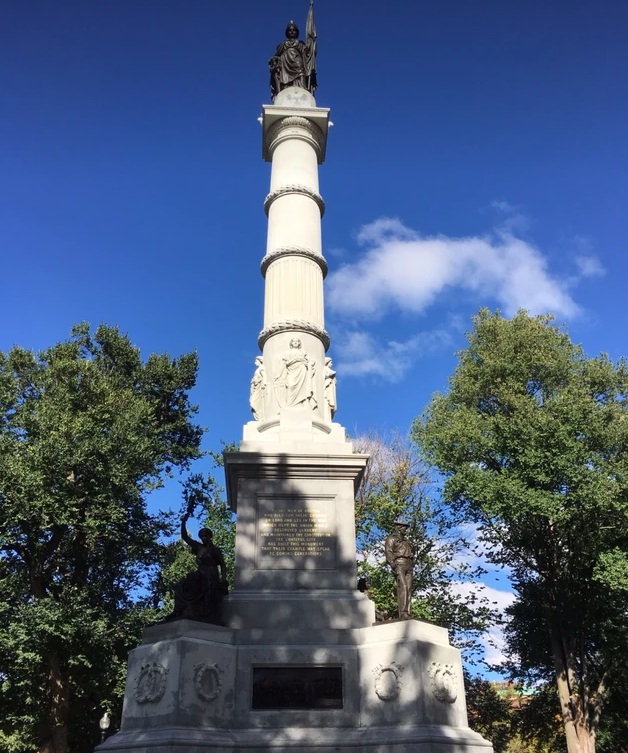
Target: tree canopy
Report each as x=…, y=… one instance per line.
x=532, y=440
x=87, y=429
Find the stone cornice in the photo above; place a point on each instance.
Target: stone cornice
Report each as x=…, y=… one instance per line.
x=294, y=188
x=278, y=253
x=293, y=325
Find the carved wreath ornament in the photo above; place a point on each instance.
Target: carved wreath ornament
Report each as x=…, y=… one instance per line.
x=388, y=681
x=150, y=683
x=293, y=325
x=444, y=679
x=207, y=681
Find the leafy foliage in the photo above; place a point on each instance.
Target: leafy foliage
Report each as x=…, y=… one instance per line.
x=489, y=713
x=87, y=429
x=532, y=439
x=513, y=719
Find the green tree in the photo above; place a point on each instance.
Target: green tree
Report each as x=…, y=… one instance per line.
x=532, y=440
x=489, y=712
x=514, y=720
x=87, y=430
x=613, y=734
x=397, y=486
x=538, y=722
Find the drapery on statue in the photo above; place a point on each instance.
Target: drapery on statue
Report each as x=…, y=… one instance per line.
x=258, y=390
x=330, y=388
x=294, y=62
x=199, y=595
x=293, y=386
x=400, y=557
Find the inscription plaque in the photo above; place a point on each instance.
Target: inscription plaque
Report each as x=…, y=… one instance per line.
x=297, y=687
x=291, y=536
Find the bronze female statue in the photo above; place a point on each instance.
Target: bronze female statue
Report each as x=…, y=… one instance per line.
x=294, y=62
x=199, y=595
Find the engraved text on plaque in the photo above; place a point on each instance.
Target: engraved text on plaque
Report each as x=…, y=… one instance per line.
x=291, y=535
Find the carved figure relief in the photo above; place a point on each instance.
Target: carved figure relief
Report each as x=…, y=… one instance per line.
x=294, y=385
x=207, y=682
x=388, y=681
x=150, y=683
x=258, y=390
x=330, y=389
x=444, y=679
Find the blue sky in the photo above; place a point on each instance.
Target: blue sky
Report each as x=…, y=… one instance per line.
x=478, y=158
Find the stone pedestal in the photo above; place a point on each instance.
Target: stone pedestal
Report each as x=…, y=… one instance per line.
x=205, y=689
x=301, y=667
x=295, y=541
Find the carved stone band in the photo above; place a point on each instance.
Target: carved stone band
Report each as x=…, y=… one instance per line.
x=293, y=188
x=293, y=325
x=278, y=253
x=313, y=134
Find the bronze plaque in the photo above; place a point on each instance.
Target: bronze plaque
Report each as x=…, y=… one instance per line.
x=296, y=536
x=297, y=687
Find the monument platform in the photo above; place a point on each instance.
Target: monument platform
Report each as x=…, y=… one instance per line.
x=302, y=666
x=388, y=688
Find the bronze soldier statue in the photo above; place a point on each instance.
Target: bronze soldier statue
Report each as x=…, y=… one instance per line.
x=400, y=557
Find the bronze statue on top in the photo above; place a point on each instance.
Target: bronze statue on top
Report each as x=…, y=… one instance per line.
x=294, y=62
x=199, y=595
x=400, y=556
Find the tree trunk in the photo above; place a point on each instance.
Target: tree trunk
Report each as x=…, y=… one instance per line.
x=575, y=713
x=56, y=737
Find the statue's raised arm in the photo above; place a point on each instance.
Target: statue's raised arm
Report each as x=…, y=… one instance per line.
x=184, y=531
x=294, y=61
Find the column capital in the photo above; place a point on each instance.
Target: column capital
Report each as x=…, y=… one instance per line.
x=308, y=123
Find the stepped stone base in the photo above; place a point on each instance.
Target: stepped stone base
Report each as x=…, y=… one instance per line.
x=389, y=688
x=427, y=739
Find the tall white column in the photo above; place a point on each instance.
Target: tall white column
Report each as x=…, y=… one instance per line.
x=294, y=478
x=293, y=385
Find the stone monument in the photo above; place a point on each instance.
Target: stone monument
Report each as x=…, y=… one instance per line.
x=300, y=665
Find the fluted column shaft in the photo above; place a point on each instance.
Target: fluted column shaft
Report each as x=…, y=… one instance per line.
x=294, y=267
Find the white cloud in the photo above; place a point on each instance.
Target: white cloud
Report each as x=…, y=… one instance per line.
x=589, y=266
x=404, y=270
x=512, y=218
x=492, y=640
x=499, y=598
x=505, y=207
x=359, y=354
